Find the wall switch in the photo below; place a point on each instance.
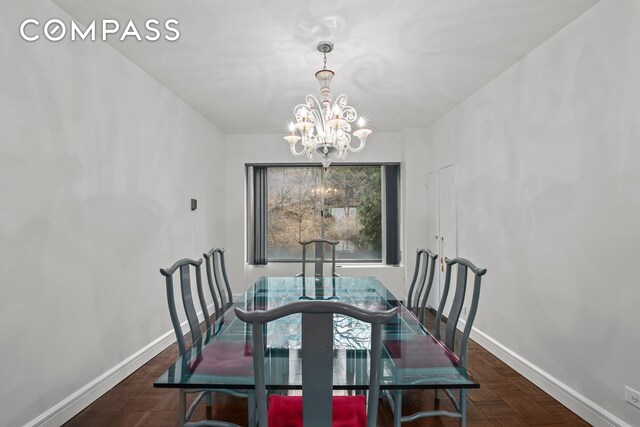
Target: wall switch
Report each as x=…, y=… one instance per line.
x=632, y=396
x=194, y=204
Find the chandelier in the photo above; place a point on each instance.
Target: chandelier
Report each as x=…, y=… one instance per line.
x=323, y=127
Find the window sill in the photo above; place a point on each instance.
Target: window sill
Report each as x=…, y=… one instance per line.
x=338, y=262
x=365, y=265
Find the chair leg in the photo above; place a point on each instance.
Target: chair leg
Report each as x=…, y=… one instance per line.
x=397, y=408
x=182, y=408
x=435, y=392
x=251, y=409
x=463, y=408
x=209, y=405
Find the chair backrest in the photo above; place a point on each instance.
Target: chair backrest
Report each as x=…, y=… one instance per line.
x=217, y=271
x=463, y=265
x=185, y=266
x=319, y=256
x=317, y=355
x=423, y=273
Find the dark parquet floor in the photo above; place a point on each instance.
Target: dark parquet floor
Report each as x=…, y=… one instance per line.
x=505, y=399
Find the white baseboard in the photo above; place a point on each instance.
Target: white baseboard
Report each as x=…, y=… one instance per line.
x=76, y=402
x=579, y=404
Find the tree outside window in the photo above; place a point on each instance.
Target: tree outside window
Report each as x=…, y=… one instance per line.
x=341, y=203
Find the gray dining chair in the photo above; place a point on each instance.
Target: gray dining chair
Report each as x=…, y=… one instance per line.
x=318, y=402
x=459, y=351
x=217, y=272
x=423, y=273
x=185, y=267
x=319, y=246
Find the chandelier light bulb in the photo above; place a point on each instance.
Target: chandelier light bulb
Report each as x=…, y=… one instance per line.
x=324, y=127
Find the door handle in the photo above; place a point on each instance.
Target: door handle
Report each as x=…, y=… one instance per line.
x=442, y=254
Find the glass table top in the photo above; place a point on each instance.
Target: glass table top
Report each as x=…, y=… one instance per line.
x=411, y=357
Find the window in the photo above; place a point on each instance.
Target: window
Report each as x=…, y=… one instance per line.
x=344, y=202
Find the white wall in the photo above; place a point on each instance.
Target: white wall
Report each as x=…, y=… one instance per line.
x=415, y=198
x=548, y=193
x=97, y=166
x=243, y=149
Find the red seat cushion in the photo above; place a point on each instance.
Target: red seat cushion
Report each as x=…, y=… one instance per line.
x=420, y=352
x=348, y=411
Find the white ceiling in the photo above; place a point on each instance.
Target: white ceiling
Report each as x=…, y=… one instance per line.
x=245, y=64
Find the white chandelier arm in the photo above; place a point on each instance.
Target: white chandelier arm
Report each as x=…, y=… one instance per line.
x=348, y=112
x=310, y=145
x=297, y=112
x=359, y=147
x=295, y=152
x=319, y=121
x=315, y=109
x=312, y=102
x=341, y=100
x=344, y=140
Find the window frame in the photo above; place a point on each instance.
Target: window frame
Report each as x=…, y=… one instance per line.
x=383, y=206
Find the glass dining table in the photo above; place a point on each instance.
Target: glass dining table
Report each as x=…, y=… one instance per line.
x=222, y=359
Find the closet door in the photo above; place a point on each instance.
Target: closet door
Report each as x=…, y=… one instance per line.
x=442, y=224
x=433, y=231
x=448, y=224
x=448, y=229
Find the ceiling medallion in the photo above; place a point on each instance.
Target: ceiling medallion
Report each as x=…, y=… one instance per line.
x=323, y=127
